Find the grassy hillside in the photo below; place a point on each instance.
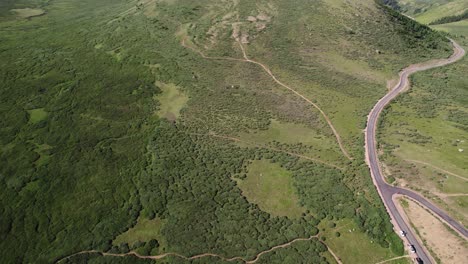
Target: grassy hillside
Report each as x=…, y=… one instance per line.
x=427, y=11
x=123, y=116
x=425, y=132
x=459, y=28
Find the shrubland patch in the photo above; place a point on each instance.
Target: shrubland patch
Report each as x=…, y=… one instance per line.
x=113, y=161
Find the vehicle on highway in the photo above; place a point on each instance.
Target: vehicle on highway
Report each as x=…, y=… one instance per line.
x=412, y=248
x=418, y=261
x=402, y=233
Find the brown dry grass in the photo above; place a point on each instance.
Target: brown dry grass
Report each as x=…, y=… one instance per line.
x=447, y=246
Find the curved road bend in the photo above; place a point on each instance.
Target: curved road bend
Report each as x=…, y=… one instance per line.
x=386, y=191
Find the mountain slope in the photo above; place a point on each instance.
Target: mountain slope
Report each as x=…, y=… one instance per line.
x=119, y=115
x=429, y=11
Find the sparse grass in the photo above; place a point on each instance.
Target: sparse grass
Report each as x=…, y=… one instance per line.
x=271, y=187
x=37, y=115
x=429, y=139
x=171, y=100
x=453, y=185
x=28, y=12
x=426, y=11
x=44, y=151
x=462, y=202
x=289, y=135
x=143, y=231
x=404, y=203
x=429, y=124
x=445, y=245
x=117, y=53
x=329, y=257
x=456, y=28
x=352, y=241
x=405, y=260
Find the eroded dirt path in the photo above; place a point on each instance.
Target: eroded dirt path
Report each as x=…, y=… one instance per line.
x=268, y=71
x=392, y=259
x=161, y=256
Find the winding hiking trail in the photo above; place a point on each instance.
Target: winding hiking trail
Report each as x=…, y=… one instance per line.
x=164, y=255
x=268, y=71
x=386, y=191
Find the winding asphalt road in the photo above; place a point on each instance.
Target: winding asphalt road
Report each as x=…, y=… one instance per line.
x=387, y=191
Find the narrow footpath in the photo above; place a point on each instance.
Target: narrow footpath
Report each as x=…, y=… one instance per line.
x=204, y=255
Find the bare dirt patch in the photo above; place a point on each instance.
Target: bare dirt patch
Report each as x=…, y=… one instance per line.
x=391, y=83
x=447, y=246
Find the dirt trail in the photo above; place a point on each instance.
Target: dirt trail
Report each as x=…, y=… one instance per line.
x=208, y=57
x=161, y=256
x=437, y=168
x=267, y=147
x=392, y=259
x=337, y=259
x=268, y=71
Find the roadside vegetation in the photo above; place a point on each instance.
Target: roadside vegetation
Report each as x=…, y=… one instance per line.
x=424, y=137
x=105, y=136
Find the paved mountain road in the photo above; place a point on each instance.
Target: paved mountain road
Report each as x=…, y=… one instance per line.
x=386, y=191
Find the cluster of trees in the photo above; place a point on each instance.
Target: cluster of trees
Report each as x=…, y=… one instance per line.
x=192, y=175
x=450, y=19
x=414, y=33
x=67, y=180
x=391, y=3
x=189, y=184
x=297, y=253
